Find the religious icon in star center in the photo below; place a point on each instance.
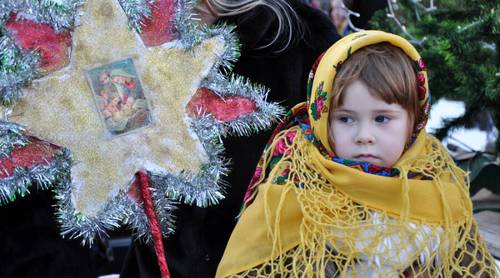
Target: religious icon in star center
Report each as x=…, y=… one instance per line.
x=119, y=97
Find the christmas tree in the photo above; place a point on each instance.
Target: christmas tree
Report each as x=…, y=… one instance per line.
x=460, y=39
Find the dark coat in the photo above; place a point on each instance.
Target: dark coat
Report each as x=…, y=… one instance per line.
x=202, y=233
x=30, y=244
x=366, y=9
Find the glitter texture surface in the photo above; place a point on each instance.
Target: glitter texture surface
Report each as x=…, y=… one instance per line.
x=60, y=107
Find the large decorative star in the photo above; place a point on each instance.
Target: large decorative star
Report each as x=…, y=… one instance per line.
x=61, y=108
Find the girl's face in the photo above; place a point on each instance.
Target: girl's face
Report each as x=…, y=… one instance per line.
x=366, y=128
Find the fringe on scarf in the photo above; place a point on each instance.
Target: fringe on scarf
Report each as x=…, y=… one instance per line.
x=342, y=238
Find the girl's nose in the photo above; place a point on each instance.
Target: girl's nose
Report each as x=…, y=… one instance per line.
x=365, y=136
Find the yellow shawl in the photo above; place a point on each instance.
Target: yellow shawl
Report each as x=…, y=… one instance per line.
x=326, y=219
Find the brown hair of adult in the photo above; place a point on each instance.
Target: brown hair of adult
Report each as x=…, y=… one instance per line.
x=388, y=73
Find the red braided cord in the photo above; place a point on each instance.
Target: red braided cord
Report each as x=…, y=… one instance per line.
x=153, y=223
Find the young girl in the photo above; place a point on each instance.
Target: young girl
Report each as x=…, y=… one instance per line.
x=352, y=185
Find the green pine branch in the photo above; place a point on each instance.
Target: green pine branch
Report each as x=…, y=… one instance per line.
x=459, y=42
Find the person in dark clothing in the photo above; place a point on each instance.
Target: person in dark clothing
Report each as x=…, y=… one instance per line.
x=283, y=66
x=31, y=245
x=366, y=10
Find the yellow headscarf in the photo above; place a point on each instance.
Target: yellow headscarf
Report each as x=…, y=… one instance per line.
x=311, y=216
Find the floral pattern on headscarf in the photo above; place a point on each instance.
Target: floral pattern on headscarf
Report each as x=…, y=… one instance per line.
x=312, y=117
x=322, y=76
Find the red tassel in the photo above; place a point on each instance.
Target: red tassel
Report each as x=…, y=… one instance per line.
x=153, y=223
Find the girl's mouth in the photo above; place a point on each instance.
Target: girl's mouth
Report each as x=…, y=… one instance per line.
x=366, y=157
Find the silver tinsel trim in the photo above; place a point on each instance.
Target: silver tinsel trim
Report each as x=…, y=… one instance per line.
x=117, y=212
x=17, y=69
x=120, y=210
x=136, y=11
x=219, y=79
x=266, y=115
x=187, y=28
x=231, y=52
x=18, y=183
x=164, y=208
x=206, y=187
x=203, y=188
x=59, y=14
x=191, y=34
x=43, y=176
x=11, y=136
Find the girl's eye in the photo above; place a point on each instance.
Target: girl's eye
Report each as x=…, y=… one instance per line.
x=346, y=119
x=382, y=119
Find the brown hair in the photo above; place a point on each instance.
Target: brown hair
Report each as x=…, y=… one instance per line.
x=387, y=72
